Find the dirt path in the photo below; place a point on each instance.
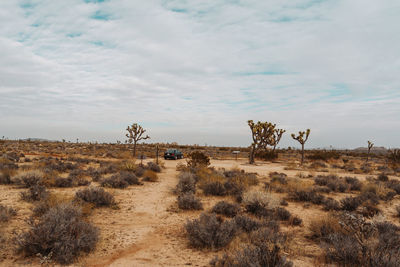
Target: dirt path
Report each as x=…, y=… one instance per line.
x=144, y=232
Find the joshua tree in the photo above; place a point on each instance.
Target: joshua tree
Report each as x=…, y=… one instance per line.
x=135, y=134
x=370, y=145
x=277, y=137
x=302, y=140
x=263, y=136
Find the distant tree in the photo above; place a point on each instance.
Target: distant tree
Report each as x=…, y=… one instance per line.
x=263, y=136
x=370, y=145
x=302, y=139
x=277, y=137
x=135, y=134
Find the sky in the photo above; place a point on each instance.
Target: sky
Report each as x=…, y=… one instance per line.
x=194, y=72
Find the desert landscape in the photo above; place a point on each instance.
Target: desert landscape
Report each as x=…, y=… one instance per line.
x=196, y=211
x=224, y=133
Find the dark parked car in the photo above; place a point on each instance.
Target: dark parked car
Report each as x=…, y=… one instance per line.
x=173, y=154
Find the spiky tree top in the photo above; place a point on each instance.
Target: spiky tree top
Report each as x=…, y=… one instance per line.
x=135, y=133
x=278, y=135
x=300, y=138
x=262, y=133
x=370, y=145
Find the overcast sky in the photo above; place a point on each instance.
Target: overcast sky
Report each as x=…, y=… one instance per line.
x=194, y=72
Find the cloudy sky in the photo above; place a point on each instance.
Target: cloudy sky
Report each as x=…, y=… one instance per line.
x=195, y=71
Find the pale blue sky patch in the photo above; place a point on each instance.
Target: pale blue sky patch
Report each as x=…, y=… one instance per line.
x=101, y=15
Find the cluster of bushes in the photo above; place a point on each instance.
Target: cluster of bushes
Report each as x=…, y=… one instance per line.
x=324, y=155
x=60, y=235
x=186, y=190
x=96, y=196
x=336, y=184
x=121, y=180
x=223, y=183
x=349, y=239
x=262, y=246
x=266, y=155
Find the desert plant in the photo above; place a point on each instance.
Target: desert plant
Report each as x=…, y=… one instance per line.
x=95, y=195
x=214, y=188
x=186, y=184
x=6, y=213
x=277, y=137
x=114, y=181
x=63, y=182
x=188, y=201
x=153, y=166
x=248, y=224
x=264, y=249
x=59, y=234
x=262, y=134
x=302, y=138
x=198, y=159
x=135, y=134
x=129, y=178
x=226, y=208
x=150, y=176
x=35, y=193
x=210, y=231
x=259, y=203
x=350, y=203
x=370, y=145
x=29, y=178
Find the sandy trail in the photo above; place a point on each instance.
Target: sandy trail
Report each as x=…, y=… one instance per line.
x=149, y=234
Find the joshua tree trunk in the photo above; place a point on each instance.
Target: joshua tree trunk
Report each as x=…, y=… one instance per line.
x=251, y=156
x=134, y=149
x=302, y=154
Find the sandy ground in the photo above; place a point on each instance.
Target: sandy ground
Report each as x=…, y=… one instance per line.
x=148, y=230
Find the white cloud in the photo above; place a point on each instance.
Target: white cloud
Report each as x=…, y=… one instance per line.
x=195, y=72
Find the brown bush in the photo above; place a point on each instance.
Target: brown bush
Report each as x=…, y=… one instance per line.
x=210, y=231
x=150, y=176
x=226, y=208
x=59, y=234
x=95, y=195
x=198, y=159
x=188, y=201
x=6, y=213
x=35, y=193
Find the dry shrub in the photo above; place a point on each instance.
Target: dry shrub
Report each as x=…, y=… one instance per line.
x=258, y=202
x=263, y=249
x=198, y=159
x=355, y=184
x=307, y=195
x=248, y=224
x=63, y=182
x=60, y=234
x=226, y=208
x=153, y=166
x=322, y=227
x=6, y=213
x=29, y=178
x=114, y=181
x=282, y=214
x=5, y=176
x=210, y=231
x=188, y=201
x=350, y=203
x=186, y=184
x=331, y=204
x=150, y=176
x=41, y=207
x=35, y=193
x=95, y=195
